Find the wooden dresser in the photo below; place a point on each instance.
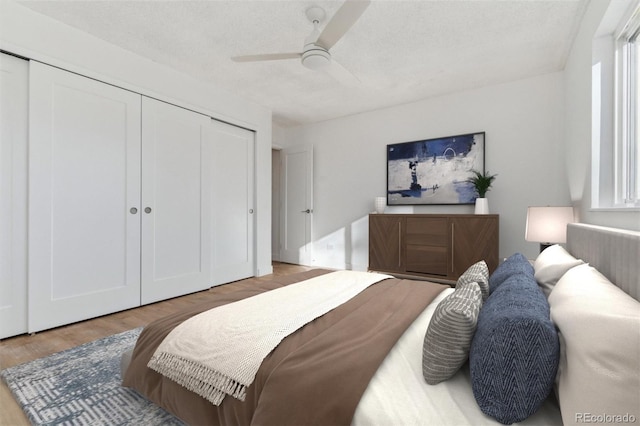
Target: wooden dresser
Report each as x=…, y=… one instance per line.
x=440, y=246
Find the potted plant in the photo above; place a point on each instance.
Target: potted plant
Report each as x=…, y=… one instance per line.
x=482, y=183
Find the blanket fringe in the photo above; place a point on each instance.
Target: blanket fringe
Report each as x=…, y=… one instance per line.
x=189, y=375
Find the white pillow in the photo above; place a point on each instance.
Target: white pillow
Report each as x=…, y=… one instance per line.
x=551, y=265
x=599, y=325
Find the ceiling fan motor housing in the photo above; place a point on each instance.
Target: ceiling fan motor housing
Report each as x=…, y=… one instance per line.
x=315, y=57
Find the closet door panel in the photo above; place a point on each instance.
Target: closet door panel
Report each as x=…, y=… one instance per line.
x=175, y=210
x=14, y=112
x=84, y=177
x=231, y=159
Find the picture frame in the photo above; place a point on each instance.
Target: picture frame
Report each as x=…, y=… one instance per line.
x=434, y=171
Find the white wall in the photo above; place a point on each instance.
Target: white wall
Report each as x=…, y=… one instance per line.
x=29, y=34
x=523, y=122
x=578, y=124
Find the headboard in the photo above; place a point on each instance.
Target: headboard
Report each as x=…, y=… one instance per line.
x=614, y=252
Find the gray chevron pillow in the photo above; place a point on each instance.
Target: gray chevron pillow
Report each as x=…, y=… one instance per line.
x=479, y=273
x=448, y=337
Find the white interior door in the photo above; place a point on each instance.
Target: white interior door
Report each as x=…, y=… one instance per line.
x=232, y=163
x=14, y=125
x=297, y=204
x=176, y=208
x=275, y=204
x=84, y=177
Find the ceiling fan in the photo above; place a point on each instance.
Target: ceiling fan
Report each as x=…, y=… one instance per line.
x=315, y=53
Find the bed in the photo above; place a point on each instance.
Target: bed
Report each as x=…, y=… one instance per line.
x=564, y=349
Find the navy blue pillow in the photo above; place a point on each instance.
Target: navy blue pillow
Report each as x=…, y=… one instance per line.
x=515, y=352
x=514, y=264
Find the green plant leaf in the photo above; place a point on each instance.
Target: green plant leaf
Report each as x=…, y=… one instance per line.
x=482, y=182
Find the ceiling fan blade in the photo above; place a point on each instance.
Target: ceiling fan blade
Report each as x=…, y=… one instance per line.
x=343, y=19
x=266, y=57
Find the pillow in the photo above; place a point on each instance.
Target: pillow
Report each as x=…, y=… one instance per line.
x=515, y=351
x=599, y=327
x=514, y=264
x=448, y=337
x=479, y=273
x=551, y=265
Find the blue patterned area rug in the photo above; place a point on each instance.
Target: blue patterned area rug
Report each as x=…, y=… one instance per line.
x=81, y=386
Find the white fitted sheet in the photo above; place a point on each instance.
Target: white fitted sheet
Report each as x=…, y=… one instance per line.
x=399, y=395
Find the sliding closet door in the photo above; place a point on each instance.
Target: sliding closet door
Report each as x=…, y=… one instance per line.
x=175, y=208
x=84, y=198
x=232, y=161
x=14, y=112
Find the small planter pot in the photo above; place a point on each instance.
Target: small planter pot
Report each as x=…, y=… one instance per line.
x=482, y=206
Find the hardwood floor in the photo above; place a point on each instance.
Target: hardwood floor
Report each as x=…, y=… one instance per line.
x=24, y=348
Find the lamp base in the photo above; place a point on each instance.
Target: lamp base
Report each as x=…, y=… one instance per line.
x=544, y=246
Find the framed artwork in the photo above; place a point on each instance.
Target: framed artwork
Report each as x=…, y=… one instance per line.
x=434, y=171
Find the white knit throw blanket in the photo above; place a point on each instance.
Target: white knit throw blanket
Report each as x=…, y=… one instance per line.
x=218, y=352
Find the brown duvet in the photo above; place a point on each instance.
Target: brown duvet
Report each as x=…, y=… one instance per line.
x=317, y=375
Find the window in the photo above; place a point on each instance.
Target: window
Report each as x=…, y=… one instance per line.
x=627, y=145
x=615, y=133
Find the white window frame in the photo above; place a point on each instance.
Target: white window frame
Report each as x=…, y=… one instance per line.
x=627, y=145
x=615, y=167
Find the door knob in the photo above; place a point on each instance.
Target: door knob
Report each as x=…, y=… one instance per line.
x=133, y=210
x=306, y=211
x=250, y=211
x=147, y=209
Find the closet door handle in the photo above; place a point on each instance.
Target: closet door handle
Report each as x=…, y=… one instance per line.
x=399, y=244
x=453, y=245
x=133, y=210
x=147, y=210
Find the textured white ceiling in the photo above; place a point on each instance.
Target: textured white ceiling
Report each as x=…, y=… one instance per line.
x=400, y=51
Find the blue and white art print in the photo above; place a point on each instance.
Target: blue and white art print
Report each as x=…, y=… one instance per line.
x=434, y=171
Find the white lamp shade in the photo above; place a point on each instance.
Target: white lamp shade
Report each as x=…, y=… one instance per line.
x=548, y=224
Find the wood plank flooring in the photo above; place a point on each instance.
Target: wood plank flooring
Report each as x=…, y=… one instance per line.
x=24, y=348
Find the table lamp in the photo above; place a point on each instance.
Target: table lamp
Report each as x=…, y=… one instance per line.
x=548, y=225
